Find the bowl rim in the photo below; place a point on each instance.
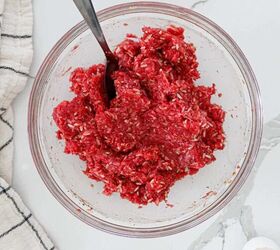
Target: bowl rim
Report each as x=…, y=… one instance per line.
x=253, y=147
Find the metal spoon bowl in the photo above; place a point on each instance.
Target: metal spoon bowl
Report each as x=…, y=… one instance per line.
x=87, y=11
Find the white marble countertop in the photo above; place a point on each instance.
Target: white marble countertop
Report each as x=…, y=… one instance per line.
x=255, y=26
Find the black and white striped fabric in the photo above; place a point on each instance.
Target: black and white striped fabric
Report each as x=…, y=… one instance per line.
x=18, y=229
x=16, y=51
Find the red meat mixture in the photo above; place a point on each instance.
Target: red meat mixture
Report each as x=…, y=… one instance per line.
x=159, y=128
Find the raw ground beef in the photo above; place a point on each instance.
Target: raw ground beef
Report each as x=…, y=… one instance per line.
x=159, y=128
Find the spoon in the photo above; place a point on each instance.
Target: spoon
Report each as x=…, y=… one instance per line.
x=87, y=11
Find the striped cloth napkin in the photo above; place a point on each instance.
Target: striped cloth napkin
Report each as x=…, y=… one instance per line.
x=18, y=228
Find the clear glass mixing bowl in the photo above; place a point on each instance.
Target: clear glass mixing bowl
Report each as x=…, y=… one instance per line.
x=195, y=198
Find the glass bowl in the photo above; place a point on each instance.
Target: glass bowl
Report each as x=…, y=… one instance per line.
x=195, y=198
